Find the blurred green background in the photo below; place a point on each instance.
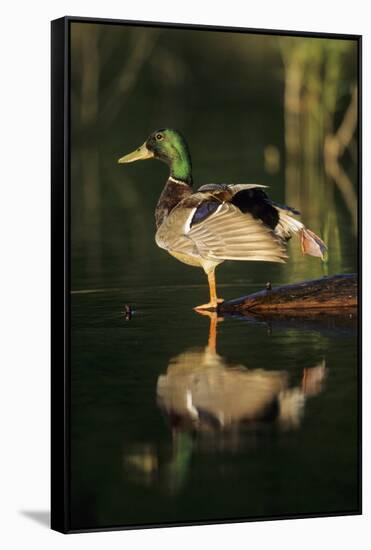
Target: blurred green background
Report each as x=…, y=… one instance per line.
x=273, y=110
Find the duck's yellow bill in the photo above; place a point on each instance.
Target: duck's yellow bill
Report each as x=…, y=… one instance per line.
x=141, y=153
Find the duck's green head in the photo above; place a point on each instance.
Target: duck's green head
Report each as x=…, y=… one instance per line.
x=170, y=147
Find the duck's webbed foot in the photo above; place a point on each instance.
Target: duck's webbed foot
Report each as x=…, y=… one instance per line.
x=210, y=306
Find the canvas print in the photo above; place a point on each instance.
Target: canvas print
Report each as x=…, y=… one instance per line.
x=213, y=258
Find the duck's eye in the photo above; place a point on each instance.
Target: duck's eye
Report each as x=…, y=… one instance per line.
x=159, y=137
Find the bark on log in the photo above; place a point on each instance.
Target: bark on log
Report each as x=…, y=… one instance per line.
x=337, y=291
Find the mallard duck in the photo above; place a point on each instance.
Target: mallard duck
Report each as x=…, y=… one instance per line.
x=217, y=222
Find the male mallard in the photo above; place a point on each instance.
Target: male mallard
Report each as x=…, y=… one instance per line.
x=217, y=222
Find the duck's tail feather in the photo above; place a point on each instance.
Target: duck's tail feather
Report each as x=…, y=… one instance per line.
x=310, y=242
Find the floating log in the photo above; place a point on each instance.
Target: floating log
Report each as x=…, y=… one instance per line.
x=336, y=291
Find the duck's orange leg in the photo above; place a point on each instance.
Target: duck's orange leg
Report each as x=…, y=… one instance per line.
x=214, y=300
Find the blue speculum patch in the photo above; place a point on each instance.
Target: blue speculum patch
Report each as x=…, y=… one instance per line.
x=204, y=211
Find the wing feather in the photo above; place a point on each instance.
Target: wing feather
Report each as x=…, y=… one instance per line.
x=228, y=234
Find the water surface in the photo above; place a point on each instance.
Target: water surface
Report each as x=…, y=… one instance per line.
x=165, y=430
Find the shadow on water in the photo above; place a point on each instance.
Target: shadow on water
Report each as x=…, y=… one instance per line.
x=327, y=321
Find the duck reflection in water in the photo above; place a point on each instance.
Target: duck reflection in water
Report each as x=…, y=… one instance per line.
x=202, y=392
x=212, y=405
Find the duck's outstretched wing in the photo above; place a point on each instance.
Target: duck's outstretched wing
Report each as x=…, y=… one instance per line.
x=252, y=199
x=220, y=231
x=249, y=198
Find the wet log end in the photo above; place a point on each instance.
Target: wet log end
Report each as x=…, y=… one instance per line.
x=336, y=291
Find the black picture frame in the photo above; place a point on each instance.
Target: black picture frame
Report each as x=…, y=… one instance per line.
x=61, y=261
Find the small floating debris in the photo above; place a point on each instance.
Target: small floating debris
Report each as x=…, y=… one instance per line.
x=128, y=312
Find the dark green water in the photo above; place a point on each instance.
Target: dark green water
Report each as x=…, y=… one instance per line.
x=164, y=430
x=133, y=463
